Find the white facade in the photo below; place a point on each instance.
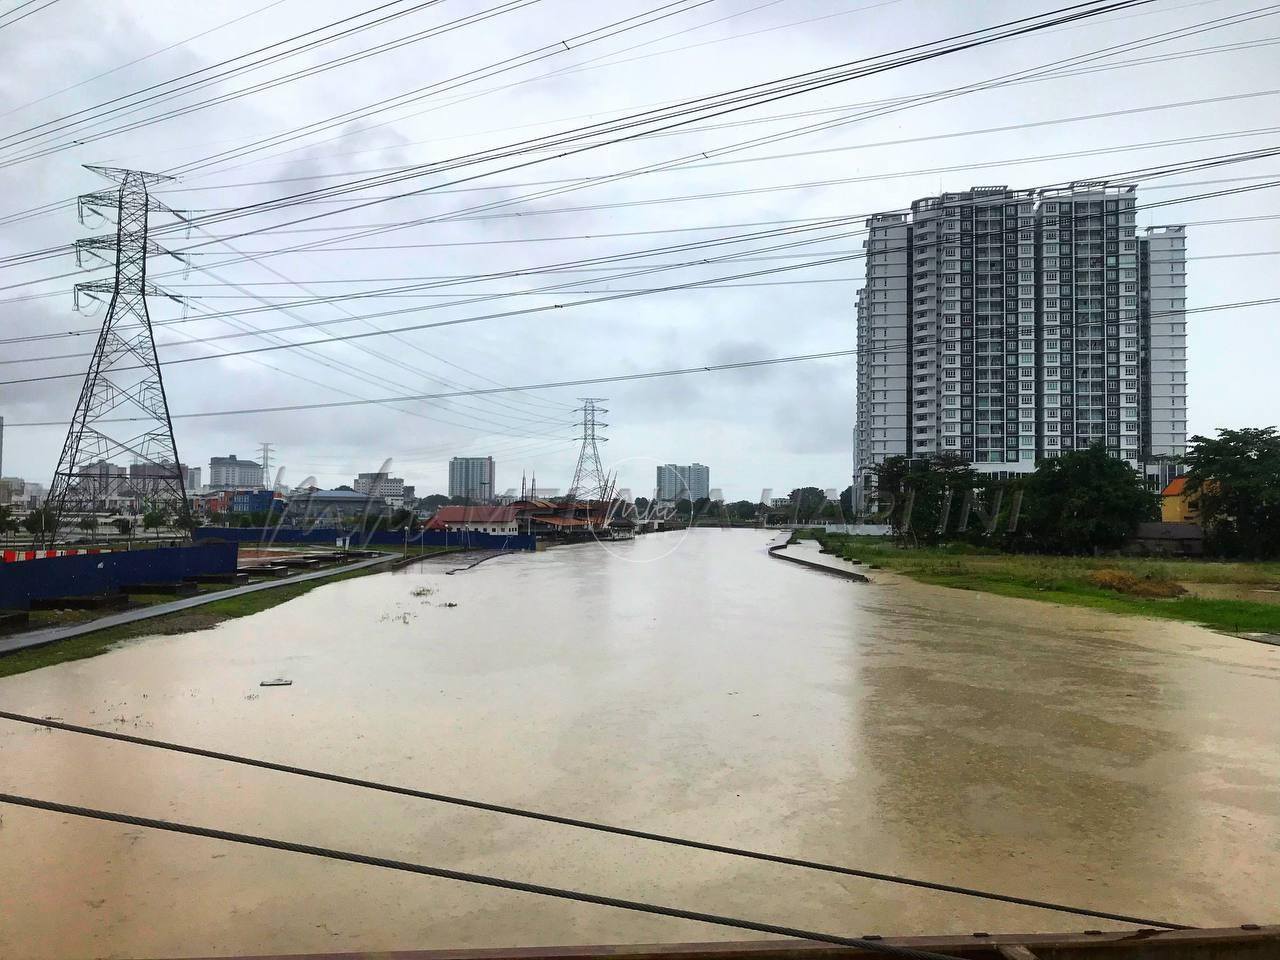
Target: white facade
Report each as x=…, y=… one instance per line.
x=390, y=489
x=232, y=473
x=472, y=477
x=883, y=316
x=1006, y=326
x=683, y=482
x=1164, y=303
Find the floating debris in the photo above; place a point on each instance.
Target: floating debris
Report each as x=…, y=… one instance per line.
x=277, y=682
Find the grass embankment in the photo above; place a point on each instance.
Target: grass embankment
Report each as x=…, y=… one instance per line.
x=185, y=621
x=1128, y=585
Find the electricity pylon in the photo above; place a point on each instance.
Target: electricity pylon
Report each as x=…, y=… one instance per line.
x=122, y=411
x=590, y=482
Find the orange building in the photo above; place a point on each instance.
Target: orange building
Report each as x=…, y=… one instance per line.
x=1177, y=504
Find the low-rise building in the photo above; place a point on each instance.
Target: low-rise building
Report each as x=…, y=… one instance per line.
x=1180, y=505
x=380, y=484
x=496, y=520
x=256, y=501
x=314, y=505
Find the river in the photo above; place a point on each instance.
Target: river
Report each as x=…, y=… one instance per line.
x=681, y=684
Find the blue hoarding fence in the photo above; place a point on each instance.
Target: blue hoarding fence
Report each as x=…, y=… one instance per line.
x=102, y=573
x=329, y=536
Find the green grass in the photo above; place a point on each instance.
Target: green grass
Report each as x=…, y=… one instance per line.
x=184, y=621
x=1066, y=580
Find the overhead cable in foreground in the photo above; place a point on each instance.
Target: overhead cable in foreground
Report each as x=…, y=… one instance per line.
x=573, y=822
x=560, y=893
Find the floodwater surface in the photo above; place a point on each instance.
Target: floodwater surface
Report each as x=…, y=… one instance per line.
x=689, y=685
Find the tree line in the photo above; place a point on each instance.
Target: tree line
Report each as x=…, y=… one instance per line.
x=1086, y=501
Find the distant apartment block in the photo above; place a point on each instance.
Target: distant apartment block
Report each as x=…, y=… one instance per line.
x=389, y=488
x=680, y=482
x=472, y=477
x=190, y=475
x=231, y=473
x=1007, y=326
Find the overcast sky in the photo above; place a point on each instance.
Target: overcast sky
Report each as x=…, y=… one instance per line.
x=774, y=427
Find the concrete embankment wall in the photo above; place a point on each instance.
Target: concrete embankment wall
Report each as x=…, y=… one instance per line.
x=776, y=551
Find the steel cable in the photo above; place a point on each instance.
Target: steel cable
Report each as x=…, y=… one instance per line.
x=872, y=946
x=583, y=824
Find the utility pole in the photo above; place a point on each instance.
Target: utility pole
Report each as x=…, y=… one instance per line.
x=123, y=380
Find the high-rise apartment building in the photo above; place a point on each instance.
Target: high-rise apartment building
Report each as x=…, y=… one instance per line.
x=681, y=482
x=472, y=477
x=1009, y=325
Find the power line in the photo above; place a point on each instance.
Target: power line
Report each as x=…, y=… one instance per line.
x=53, y=206
x=872, y=946
x=69, y=121
x=27, y=3
x=43, y=151
x=403, y=173
x=155, y=53
x=616, y=295
x=52, y=252
x=574, y=822
x=506, y=6
x=620, y=378
x=1055, y=74
x=680, y=116
x=1052, y=74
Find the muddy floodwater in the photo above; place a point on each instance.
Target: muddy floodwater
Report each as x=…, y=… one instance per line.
x=687, y=685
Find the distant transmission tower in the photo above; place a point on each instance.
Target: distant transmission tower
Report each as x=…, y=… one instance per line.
x=122, y=411
x=266, y=465
x=590, y=482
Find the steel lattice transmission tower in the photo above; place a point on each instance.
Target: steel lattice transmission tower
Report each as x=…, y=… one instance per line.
x=590, y=482
x=122, y=412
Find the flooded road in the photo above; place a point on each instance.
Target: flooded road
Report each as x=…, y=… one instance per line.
x=686, y=685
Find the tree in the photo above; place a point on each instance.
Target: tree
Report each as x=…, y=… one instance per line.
x=153, y=520
x=1237, y=478
x=642, y=506
x=919, y=494
x=846, y=504
x=345, y=487
x=1082, y=502
x=8, y=522
x=186, y=522
x=88, y=523
x=684, y=508
x=123, y=525
x=807, y=504
x=742, y=510
x=39, y=521
x=701, y=506
x=372, y=522
x=434, y=502
x=461, y=501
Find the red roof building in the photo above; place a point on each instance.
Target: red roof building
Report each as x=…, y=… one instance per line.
x=500, y=520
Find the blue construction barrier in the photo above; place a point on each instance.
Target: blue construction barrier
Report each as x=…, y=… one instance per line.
x=329, y=536
x=102, y=573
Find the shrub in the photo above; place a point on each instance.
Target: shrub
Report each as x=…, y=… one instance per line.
x=1149, y=586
